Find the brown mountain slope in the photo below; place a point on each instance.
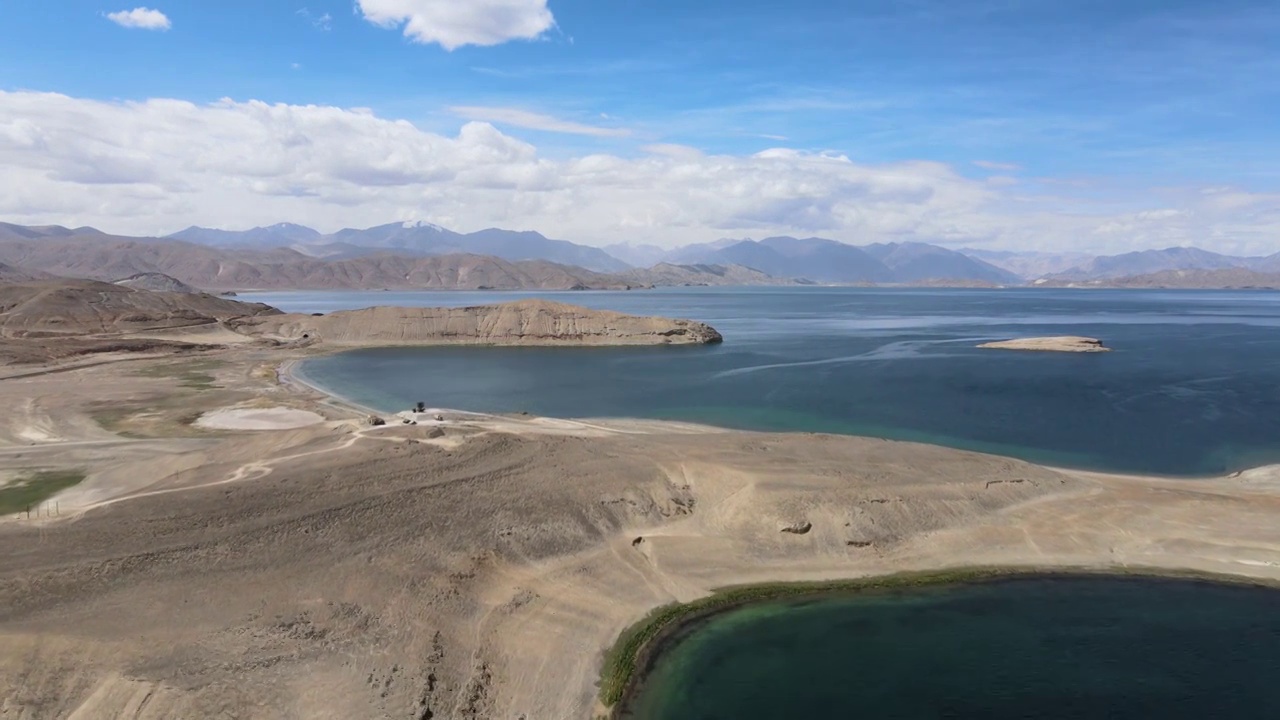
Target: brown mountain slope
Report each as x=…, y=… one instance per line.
x=12, y=274
x=105, y=257
x=673, y=275
x=526, y=322
x=64, y=308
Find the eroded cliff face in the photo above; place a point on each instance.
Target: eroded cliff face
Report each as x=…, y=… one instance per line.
x=526, y=322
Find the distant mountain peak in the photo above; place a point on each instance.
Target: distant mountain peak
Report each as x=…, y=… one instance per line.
x=416, y=224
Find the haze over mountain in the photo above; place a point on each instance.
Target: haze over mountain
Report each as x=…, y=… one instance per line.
x=915, y=262
x=813, y=259
x=1032, y=264
x=110, y=258
x=1152, y=261
x=829, y=261
x=278, y=235
x=1234, y=278
x=418, y=255
x=413, y=238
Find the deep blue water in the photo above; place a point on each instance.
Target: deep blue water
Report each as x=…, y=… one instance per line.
x=1192, y=386
x=1121, y=649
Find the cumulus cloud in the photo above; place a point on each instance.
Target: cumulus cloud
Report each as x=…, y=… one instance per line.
x=455, y=23
x=152, y=167
x=142, y=18
x=534, y=121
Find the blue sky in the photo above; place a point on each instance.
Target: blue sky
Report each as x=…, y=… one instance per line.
x=1128, y=104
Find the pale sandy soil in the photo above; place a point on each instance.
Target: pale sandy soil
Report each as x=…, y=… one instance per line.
x=273, y=418
x=344, y=571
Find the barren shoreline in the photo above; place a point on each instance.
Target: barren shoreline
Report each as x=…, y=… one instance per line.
x=295, y=565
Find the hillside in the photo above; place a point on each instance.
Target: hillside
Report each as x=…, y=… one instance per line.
x=12, y=274
x=69, y=308
x=673, y=275
x=526, y=322
x=155, y=282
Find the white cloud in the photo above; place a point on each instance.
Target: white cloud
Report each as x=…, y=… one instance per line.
x=1001, y=166
x=323, y=23
x=152, y=167
x=534, y=121
x=455, y=23
x=142, y=18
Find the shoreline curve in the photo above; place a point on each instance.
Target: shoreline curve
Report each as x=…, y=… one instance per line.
x=289, y=372
x=634, y=655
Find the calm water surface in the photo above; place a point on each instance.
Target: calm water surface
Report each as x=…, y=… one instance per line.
x=1083, y=648
x=1192, y=387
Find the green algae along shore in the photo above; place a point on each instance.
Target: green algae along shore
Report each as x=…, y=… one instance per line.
x=636, y=661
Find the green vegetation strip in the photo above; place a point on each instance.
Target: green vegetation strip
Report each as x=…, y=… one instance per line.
x=190, y=375
x=639, y=644
x=31, y=490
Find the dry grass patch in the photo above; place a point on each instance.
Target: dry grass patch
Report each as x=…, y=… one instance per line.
x=28, y=491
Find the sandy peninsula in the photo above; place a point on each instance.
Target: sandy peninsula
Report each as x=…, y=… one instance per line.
x=341, y=570
x=1060, y=343
x=524, y=322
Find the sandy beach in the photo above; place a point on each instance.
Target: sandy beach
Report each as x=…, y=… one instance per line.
x=339, y=570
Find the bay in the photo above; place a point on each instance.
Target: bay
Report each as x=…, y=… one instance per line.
x=1026, y=648
x=1191, y=388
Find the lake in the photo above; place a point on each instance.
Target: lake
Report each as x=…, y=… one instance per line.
x=1191, y=388
x=1027, y=648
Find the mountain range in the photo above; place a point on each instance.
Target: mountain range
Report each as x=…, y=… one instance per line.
x=409, y=238
x=31, y=253
x=1060, y=268
x=813, y=259
x=422, y=255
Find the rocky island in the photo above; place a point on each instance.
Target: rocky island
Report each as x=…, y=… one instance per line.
x=1060, y=343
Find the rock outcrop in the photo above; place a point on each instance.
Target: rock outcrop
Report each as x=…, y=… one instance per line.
x=156, y=282
x=526, y=322
x=1063, y=343
x=801, y=527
